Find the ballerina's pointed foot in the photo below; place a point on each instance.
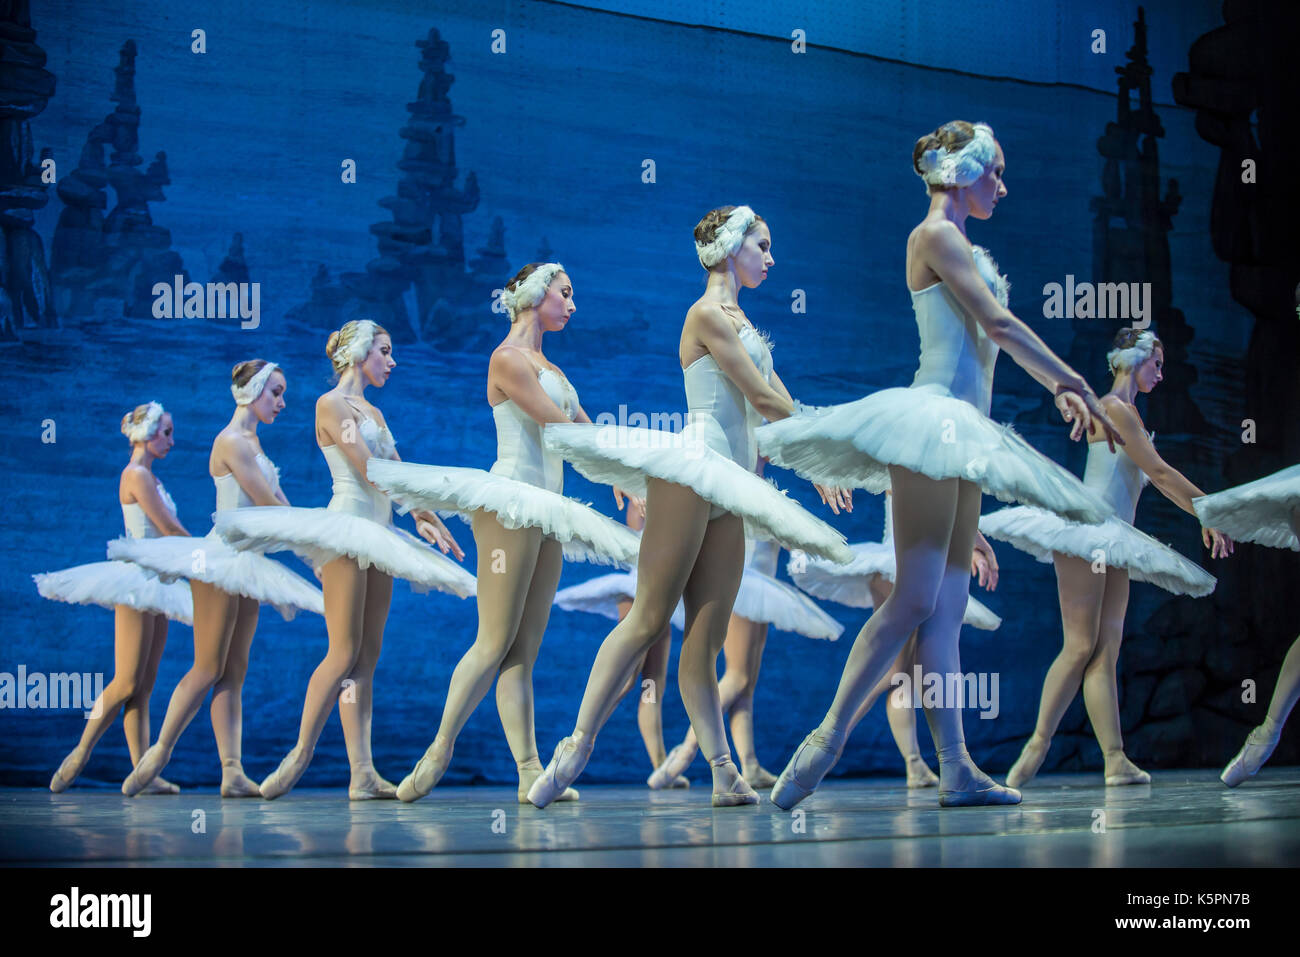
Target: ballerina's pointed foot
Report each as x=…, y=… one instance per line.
x=69, y=770
x=919, y=774
x=570, y=757
x=812, y=760
x=161, y=785
x=680, y=782
x=529, y=774
x=730, y=789
x=281, y=781
x=965, y=785
x=1120, y=771
x=1257, y=749
x=758, y=777
x=678, y=760
x=235, y=783
x=366, y=784
x=428, y=772
x=1031, y=759
x=151, y=764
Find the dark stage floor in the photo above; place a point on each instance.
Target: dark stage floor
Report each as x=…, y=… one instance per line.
x=1184, y=818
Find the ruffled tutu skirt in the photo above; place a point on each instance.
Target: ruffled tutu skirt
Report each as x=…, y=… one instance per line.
x=1121, y=546
x=601, y=596
x=626, y=457
x=585, y=534
x=927, y=431
x=211, y=560
x=118, y=583
x=1257, y=512
x=320, y=535
x=761, y=599
x=847, y=584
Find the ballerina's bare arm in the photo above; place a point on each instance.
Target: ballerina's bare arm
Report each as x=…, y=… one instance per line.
x=710, y=326
x=240, y=458
x=140, y=488
x=948, y=253
x=1172, y=484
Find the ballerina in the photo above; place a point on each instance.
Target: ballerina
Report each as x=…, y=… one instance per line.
x=1093, y=602
x=701, y=498
x=227, y=586
x=356, y=552
x=611, y=595
x=1267, y=512
x=866, y=583
x=523, y=527
x=934, y=445
x=141, y=602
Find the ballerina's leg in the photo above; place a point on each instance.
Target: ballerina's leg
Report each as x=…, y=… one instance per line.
x=356, y=709
x=507, y=560
x=343, y=583
x=515, y=680
x=1080, y=591
x=133, y=646
x=709, y=595
x=227, y=709
x=650, y=702
x=215, y=612
x=743, y=650
x=1101, y=686
x=676, y=520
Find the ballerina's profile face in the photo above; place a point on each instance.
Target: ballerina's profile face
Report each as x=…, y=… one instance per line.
x=162, y=440
x=983, y=195
x=379, y=362
x=271, y=402
x=557, y=305
x=1150, y=372
x=754, y=257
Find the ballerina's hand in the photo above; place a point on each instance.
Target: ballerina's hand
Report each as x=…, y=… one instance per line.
x=984, y=565
x=1082, y=409
x=1220, y=545
x=835, y=497
x=433, y=531
x=632, y=501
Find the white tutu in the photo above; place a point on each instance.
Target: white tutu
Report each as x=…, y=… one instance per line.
x=118, y=583
x=1258, y=511
x=626, y=457
x=585, y=534
x=764, y=600
x=927, y=431
x=602, y=594
x=320, y=535
x=211, y=560
x=847, y=584
x=1121, y=545
x=761, y=599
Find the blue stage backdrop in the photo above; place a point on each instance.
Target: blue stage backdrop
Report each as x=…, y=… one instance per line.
x=323, y=151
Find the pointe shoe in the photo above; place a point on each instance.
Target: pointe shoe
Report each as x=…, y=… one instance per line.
x=151, y=764
x=735, y=791
x=812, y=760
x=1126, y=773
x=428, y=772
x=1257, y=749
x=64, y=776
x=161, y=785
x=282, y=779
x=1031, y=759
x=235, y=783
x=366, y=784
x=919, y=774
x=526, y=778
x=567, y=762
x=680, y=782
x=979, y=789
x=758, y=777
x=677, y=761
